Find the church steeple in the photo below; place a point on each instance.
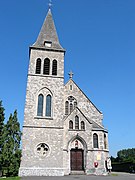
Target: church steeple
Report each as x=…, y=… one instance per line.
x=48, y=38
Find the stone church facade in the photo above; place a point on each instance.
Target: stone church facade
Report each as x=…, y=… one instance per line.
x=63, y=131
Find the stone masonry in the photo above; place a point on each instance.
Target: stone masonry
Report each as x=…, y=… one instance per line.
x=72, y=137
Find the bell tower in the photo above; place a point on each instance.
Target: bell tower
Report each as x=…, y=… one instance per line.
x=44, y=106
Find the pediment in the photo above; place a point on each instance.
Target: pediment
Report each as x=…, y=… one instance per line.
x=71, y=88
x=77, y=112
x=85, y=105
x=90, y=124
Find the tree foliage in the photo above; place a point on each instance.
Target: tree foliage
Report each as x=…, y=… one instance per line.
x=125, y=155
x=10, y=143
x=2, y=117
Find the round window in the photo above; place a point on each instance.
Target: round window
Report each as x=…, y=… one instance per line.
x=42, y=149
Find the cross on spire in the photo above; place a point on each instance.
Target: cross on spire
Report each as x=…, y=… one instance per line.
x=50, y=4
x=70, y=74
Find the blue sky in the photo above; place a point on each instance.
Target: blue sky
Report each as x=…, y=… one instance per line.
x=99, y=38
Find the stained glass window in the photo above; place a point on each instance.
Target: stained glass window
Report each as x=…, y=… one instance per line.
x=76, y=122
x=95, y=140
x=40, y=105
x=48, y=105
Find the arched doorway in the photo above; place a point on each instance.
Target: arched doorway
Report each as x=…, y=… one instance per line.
x=78, y=149
x=77, y=159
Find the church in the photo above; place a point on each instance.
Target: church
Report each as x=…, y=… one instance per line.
x=63, y=132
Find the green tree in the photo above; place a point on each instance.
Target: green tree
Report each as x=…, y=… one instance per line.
x=126, y=155
x=2, y=117
x=11, y=152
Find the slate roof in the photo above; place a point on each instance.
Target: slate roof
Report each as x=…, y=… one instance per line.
x=48, y=34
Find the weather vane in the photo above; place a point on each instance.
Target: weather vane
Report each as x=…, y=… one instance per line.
x=50, y=4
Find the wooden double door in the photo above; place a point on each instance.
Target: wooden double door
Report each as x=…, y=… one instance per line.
x=77, y=159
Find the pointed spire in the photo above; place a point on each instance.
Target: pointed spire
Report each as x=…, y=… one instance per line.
x=48, y=37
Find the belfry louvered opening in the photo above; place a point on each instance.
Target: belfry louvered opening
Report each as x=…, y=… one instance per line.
x=54, y=67
x=46, y=69
x=38, y=66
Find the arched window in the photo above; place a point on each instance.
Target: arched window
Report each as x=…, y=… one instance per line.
x=95, y=140
x=70, y=124
x=46, y=66
x=38, y=66
x=71, y=107
x=75, y=104
x=76, y=122
x=48, y=105
x=82, y=125
x=54, y=67
x=40, y=105
x=66, y=107
x=105, y=142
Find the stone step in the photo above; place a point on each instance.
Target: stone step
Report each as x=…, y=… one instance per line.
x=77, y=173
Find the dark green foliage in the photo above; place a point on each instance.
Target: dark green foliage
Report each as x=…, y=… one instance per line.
x=123, y=167
x=11, y=152
x=11, y=178
x=125, y=161
x=126, y=155
x=2, y=117
x=114, y=159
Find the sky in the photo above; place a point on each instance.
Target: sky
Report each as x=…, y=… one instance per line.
x=99, y=38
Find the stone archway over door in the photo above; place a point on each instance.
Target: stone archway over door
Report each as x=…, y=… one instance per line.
x=77, y=159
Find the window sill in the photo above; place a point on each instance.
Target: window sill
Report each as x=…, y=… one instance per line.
x=106, y=150
x=43, y=117
x=76, y=129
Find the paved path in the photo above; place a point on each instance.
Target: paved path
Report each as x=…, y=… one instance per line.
x=84, y=177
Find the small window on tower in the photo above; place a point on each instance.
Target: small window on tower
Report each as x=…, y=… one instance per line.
x=48, y=44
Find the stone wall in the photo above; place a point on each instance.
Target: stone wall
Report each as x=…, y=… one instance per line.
x=32, y=159
x=84, y=104
x=42, y=140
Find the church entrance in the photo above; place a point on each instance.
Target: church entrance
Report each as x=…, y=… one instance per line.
x=77, y=159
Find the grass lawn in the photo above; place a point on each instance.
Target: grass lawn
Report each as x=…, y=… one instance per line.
x=11, y=178
x=114, y=174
